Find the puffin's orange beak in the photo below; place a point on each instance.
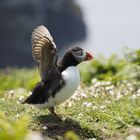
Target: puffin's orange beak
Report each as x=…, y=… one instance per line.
x=89, y=56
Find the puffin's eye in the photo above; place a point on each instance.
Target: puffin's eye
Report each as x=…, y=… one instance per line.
x=81, y=52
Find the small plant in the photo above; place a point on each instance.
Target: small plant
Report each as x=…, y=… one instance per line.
x=113, y=69
x=12, y=130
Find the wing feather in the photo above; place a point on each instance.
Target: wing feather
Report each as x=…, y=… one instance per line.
x=44, y=51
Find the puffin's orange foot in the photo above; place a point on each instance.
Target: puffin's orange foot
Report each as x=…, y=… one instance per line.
x=52, y=111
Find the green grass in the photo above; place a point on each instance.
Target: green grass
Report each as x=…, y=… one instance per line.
x=106, y=117
x=13, y=78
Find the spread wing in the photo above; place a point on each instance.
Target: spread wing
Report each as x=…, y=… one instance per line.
x=44, y=51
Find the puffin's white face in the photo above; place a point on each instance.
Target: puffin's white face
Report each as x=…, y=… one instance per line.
x=80, y=55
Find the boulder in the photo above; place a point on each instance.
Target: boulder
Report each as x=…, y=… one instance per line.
x=19, y=18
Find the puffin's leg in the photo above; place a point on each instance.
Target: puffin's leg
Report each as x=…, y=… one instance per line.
x=51, y=109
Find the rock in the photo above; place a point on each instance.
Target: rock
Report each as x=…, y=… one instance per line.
x=19, y=18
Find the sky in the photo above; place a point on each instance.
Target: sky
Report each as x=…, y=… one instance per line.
x=111, y=25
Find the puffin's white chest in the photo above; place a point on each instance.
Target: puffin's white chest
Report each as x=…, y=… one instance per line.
x=72, y=80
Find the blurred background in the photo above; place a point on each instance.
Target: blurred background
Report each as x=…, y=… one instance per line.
x=97, y=25
x=107, y=102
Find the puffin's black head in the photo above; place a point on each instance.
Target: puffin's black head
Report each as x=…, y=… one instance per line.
x=74, y=56
x=80, y=55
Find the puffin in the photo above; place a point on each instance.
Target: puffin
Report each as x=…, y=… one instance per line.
x=59, y=80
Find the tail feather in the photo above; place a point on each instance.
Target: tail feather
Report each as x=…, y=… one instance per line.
x=38, y=95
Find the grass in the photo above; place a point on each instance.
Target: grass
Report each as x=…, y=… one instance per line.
x=98, y=114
